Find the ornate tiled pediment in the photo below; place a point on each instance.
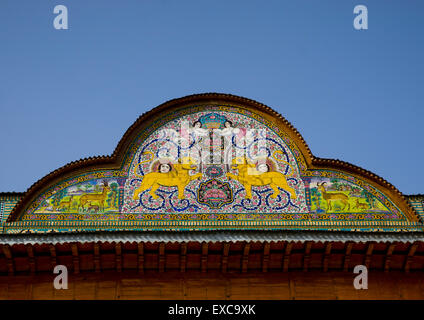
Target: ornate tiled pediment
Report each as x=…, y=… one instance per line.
x=206, y=162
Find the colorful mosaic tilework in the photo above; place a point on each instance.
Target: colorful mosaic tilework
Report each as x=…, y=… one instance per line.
x=417, y=202
x=219, y=164
x=7, y=203
x=1, y=212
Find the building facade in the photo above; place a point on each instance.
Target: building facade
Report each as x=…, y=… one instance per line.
x=211, y=196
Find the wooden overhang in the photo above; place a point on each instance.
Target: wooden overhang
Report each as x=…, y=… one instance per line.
x=37, y=256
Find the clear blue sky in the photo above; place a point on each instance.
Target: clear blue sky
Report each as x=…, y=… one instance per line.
x=353, y=95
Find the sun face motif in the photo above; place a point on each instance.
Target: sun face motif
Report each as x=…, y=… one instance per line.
x=164, y=168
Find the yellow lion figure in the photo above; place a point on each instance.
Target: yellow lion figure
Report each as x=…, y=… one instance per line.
x=249, y=175
x=179, y=177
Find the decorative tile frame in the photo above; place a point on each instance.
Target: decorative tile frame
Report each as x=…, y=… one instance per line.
x=120, y=163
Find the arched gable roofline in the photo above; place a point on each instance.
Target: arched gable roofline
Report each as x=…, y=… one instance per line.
x=115, y=160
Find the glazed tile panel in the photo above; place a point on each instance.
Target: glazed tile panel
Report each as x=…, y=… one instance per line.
x=213, y=190
x=417, y=202
x=6, y=205
x=222, y=163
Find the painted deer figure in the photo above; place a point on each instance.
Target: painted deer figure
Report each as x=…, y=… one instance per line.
x=99, y=197
x=328, y=197
x=65, y=204
x=360, y=205
x=93, y=208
